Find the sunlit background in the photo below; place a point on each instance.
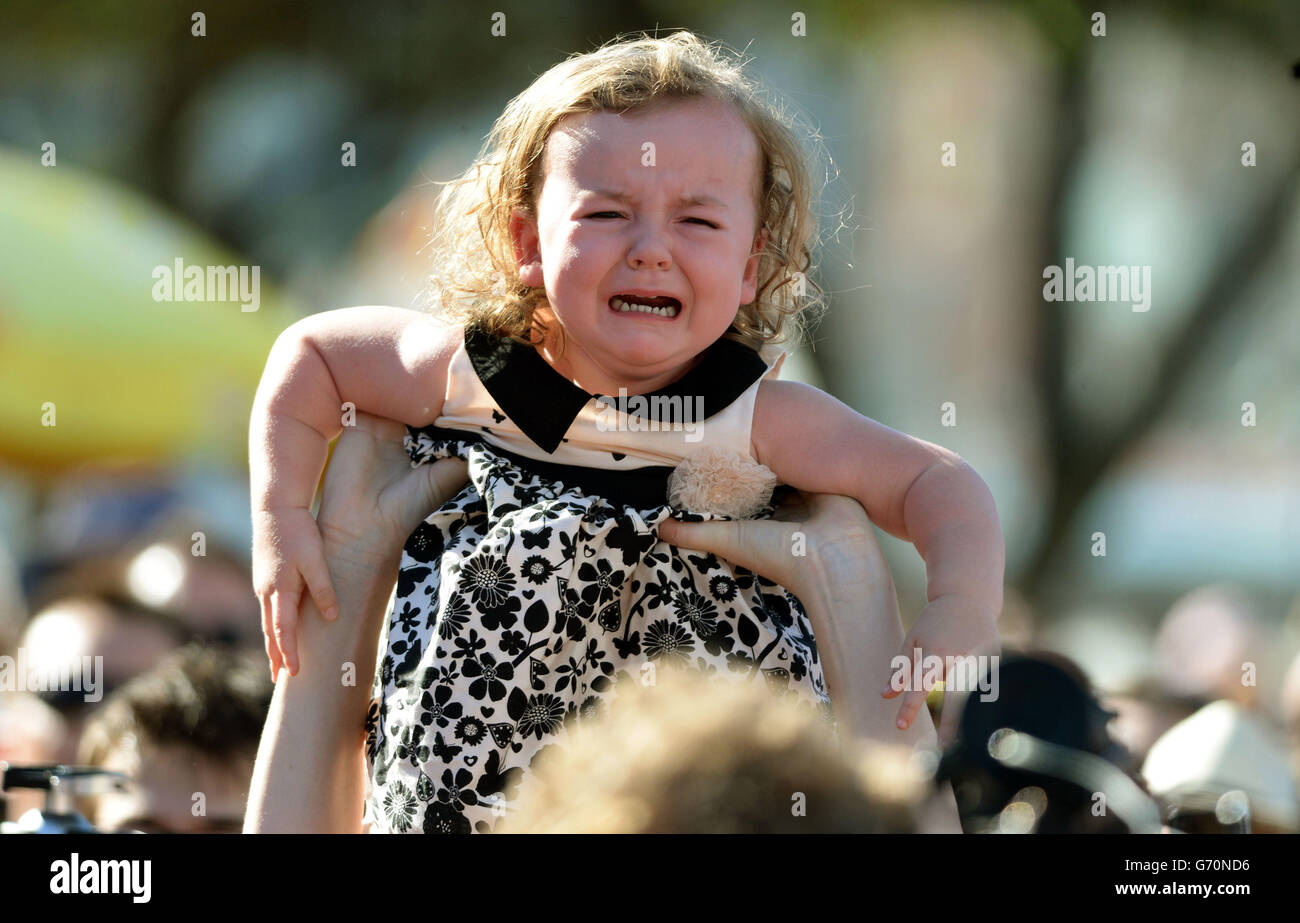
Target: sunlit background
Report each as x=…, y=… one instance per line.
x=1174, y=432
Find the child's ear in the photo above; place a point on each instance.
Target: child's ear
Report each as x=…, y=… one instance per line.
x=749, y=284
x=528, y=254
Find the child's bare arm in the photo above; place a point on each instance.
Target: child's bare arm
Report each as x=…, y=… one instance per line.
x=388, y=362
x=914, y=490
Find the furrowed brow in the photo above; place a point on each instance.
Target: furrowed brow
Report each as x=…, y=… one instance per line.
x=697, y=199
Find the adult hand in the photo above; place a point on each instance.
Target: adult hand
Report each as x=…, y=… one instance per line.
x=372, y=499
x=309, y=776
x=823, y=549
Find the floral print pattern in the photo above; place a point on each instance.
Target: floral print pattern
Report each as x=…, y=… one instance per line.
x=521, y=606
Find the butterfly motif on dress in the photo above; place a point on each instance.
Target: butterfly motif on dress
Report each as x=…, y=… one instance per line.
x=446, y=751
x=539, y=539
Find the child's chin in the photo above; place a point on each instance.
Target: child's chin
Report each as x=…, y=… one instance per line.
x=645, y=350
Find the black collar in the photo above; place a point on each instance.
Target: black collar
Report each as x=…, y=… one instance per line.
x=543, y=403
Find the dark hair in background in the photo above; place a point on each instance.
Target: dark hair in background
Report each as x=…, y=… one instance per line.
x=1046, y=696
x=206, y=698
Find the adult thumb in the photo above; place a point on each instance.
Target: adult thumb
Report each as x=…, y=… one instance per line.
x=753, y=544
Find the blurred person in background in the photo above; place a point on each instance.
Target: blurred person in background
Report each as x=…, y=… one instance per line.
x=1203, y=644
x=31, y=733
x=1046, y=697
x=186, y=733
x=60, y=637
x=1225, y=769
x=1290, y=709
x=701, y=756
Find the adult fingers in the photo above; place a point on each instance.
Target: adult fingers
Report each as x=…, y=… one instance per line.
x=761, y=546
x=443, y=480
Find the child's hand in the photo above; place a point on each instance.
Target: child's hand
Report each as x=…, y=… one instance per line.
x=950, y=626
x=288, y=554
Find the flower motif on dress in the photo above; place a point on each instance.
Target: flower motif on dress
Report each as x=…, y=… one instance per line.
x=503, y=616
x=512, y=642
x=436, y=707
x=694, y=608
x=455, y=789
x=443, y=818
x=470, y=730
x=399, y=806
x=491, y=677
x=406, y=618
x=455, y=615
x=409, y=746
x=470, y=646
x=603, y=582
x=372, y=730
x=723, y=588
x=535, y=714
x=425, y=544
x=490, y=580
x=723, y=638
x=668, y=639
x=536, y=569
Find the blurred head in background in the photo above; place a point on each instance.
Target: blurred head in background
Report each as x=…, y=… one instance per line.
x=697, y=756
x=1046, y=697
x=116, y=643
x=1204, y=642
x=186, y=733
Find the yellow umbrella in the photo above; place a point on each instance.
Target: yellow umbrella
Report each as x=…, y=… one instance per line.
x=125, y=333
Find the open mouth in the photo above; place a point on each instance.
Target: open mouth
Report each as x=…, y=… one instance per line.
x=659, y=306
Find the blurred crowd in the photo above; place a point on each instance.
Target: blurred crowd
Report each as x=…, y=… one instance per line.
x=157, y=621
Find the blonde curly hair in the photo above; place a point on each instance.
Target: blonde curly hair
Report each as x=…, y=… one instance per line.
x=475, y=279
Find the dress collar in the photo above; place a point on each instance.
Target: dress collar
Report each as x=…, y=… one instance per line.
x=543, y=403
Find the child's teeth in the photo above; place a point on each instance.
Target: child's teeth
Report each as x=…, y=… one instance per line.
x=625, y=307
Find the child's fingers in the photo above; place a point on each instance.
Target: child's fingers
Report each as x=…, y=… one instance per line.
x=268, y=636
x=286, y=623
x=317, y=577
x=913, y=702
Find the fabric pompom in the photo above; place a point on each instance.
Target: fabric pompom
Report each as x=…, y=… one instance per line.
x=723, y=482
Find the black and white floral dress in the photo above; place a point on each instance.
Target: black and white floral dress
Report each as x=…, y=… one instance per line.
x=524, y=602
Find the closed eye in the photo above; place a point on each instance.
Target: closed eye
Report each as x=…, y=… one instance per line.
x=702, y=221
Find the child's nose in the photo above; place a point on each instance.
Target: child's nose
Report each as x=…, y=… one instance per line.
x=649, y=251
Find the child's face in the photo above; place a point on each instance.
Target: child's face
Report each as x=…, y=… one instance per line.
x=588, y=246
